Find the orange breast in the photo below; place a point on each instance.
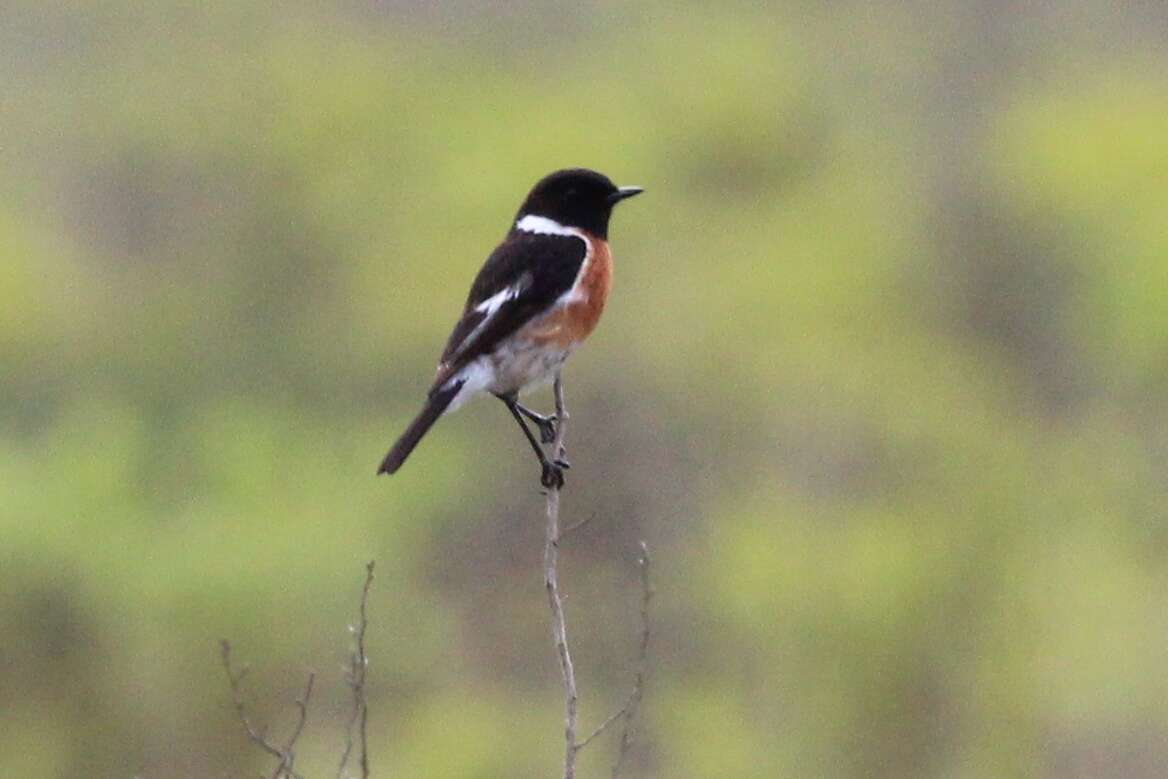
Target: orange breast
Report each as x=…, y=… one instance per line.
x=570, y=323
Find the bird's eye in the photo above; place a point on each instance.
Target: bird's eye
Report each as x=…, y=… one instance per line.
x=571, y=194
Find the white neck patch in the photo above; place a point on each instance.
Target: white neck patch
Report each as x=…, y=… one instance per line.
x=541, y=225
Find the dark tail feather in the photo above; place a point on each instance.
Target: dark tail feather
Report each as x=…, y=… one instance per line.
x=435, y=405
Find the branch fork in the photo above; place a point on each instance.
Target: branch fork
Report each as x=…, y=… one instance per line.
x=285, y=754
x=626, y=713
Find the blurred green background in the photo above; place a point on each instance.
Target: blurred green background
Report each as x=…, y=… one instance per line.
x=882, y=383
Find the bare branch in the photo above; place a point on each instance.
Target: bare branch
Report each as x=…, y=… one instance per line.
x=355, y=676
x=302, y=705
x=570, y=529
x=235, y=679
x=551, y=582
x=628, y=711
x=602, y=727
x=630, y=708
x=285, y=756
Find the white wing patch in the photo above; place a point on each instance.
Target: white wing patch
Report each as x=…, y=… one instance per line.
x=496, y=301
x=491, y=306
x=541, y=225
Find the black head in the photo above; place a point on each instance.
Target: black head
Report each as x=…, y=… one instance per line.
x=577, y=197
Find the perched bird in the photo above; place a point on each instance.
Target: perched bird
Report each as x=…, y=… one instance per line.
x=538, y=296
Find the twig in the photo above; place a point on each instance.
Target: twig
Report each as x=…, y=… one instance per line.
x=285, y=756
x=302, y=705
x=634, y=701
x=628, y=711
x=576, y=526
x=602, y=727
x=551, y=582
x=234, y=679
x=355, y=676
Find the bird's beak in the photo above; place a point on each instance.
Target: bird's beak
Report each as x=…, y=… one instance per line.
x=624, y=193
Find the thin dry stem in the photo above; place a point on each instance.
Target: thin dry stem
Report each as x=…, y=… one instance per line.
x=302, y=706
x=570, y=529
x=602, y=727
x=551, y=582
x=628, y=712
x=355, y=676
x=634, y=701
x=285, y=756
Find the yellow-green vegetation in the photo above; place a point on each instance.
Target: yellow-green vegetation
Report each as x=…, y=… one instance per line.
x=882, y=383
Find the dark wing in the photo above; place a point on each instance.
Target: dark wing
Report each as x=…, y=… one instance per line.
x=522, y=278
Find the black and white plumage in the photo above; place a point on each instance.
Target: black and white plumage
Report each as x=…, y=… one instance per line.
x=537, y=297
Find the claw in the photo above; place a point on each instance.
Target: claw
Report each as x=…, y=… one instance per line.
x=552, y=476
x=547, y=430
x=562, y=463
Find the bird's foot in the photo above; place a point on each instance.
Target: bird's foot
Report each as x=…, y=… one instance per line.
x=553, y=474
x=546, y=424
x=547, y=428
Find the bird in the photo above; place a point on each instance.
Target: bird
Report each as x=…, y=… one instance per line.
x=538, y=296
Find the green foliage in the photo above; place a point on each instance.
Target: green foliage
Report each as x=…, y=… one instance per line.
x=880, y=382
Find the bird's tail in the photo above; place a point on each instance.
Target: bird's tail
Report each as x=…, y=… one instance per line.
x=438, y=402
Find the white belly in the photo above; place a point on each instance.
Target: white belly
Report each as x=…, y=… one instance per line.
x=521, y=365
x=516, y=366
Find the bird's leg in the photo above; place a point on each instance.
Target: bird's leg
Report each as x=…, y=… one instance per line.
x=546, y=424
x=547, y=431
x=553, y=472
